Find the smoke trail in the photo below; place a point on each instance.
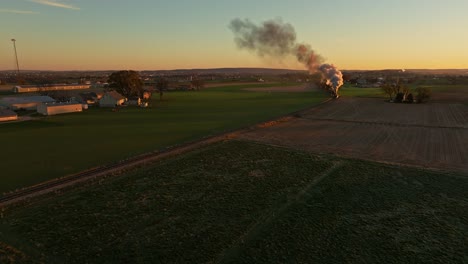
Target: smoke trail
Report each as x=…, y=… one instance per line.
x=277, y=39
x=306, y=55
x=332, y=76
x=273, y=38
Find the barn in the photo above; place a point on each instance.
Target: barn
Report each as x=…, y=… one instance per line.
x=112, y=99
x=90, y=98
x=59, y=108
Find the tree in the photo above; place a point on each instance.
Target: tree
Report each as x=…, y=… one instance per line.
x=423, y=94
x=397, y=88
x=388, y=90
x=405, y=90
x=128, y=83
x=399, y=97
x=161, y=86
x=410, y=98
x=197, y=84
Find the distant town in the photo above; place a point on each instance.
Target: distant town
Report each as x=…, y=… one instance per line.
x=180, y=77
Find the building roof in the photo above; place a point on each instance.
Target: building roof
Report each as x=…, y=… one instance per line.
x=7, y=112
x=26, y=100
x=50, y=85
x=88, y=96
x=115, y=95
x=60, y=104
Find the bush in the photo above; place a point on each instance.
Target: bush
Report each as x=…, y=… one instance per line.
x=410, y=98
x=399, y=97
x=424, y=94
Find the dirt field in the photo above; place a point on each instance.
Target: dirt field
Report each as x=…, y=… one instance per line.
x=429, y=135
x=450, y=94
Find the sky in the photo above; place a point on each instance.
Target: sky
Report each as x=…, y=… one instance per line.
x=187, y=34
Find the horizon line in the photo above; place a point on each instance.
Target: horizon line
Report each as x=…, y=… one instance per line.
x=215, y=68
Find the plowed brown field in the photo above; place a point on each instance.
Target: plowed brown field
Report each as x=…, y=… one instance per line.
x=429, y=135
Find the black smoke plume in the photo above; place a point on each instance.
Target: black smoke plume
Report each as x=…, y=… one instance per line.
x=277, y=39
x=272, y=38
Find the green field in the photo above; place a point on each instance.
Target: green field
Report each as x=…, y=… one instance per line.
x=35, y=151
x=240, y=202
x=349, y=90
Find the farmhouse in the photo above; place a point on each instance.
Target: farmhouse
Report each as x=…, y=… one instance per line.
x=58, y=108
x=112, y=99
x=25, y=102
x=49, y=87
x=7, y=115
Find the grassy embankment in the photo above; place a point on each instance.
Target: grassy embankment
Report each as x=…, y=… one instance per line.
x=248, y=203
x=55, y=146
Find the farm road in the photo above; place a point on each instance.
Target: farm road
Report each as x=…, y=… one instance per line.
x=430, y=135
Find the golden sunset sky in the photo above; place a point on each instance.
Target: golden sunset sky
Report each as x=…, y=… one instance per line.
x=160, y=34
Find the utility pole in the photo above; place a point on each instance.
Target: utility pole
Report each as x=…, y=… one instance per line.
x=16, y=56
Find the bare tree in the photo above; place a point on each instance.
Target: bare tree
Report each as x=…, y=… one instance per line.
x=423, y=94
x=405, y=90
x=161, y=86
x=388, y=90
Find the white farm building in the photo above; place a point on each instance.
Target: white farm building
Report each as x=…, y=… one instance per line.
x=24, y=102
x=49, y=87
x=59, y=108
x=112, y=99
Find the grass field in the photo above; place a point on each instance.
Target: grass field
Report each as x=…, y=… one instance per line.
x=351, y=91
x=239, y=202
x=55, y=146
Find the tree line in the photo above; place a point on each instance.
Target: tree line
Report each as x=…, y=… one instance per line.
x=400, y=93
x=130, y=84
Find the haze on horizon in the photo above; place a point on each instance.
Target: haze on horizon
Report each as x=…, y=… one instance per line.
x=155, y=35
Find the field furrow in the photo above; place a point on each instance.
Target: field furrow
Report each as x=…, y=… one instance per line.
x=429, y=135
